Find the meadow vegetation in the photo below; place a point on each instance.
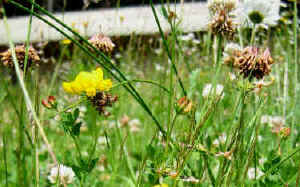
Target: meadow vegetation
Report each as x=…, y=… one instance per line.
x=213, y=108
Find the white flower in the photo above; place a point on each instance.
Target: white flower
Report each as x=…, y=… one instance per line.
x=259, y=138
x=208, y=90
x=61, y=173
x=187, y=37
x=277, y=121
x=134, y=125
x=196, y=41
x=118, y=56
x=220, y=140
x=265, y=119
x=263, y=13
x=158, y=51
x=158, y=67
x=134, y=122
x=262, y=161
x=232, y=76
x=102, y=140
x=230, y=49
x=191, y=179
x=251, y=173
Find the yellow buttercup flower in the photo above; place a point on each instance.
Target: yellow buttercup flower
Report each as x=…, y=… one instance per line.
x=88, y=83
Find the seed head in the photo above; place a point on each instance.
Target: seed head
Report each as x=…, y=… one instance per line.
x=102, y=43
x=102, y=100
x=222, y=17
x=253, y=62
x=33, y=57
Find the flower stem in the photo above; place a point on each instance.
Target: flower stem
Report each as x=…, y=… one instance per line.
x=252, y=41
x=25, y=92
x=295, y=28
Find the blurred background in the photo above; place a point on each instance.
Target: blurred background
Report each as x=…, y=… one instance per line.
x=73, y=5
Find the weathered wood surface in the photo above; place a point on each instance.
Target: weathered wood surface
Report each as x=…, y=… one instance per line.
x=113, y=22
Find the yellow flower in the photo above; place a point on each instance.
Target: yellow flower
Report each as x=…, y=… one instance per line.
x=161, y=185
x=66, y=41
x=88, y=83
x=68, y=87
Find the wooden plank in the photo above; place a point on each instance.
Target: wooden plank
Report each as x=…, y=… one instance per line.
x=113, y=22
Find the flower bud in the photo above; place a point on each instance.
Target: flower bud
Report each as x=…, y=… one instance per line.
x=285, y=132
x=184, y=105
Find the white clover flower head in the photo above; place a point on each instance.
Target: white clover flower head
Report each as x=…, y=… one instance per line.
x=216, y=142
x=208, y=90
x=187, y=37
x=258, y=12
x=134, y=125
x=251, y=173
x=61, y=173
x=277, y=121
x=134, y=122
x=134, y=129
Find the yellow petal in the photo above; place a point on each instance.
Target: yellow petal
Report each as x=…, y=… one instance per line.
x=99, y=73
x=91, y=92
x=104, y=85
x=77, y=87
x=68, y=87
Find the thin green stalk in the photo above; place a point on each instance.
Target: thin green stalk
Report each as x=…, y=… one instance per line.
x=77, y=147
x=4, y=151
x=240, y=37
x=124, y=149
x=294, y=152
x=25, y=92
x=235, y=141
x=167, y=49
x=28, y=40
x=252, y=40
x=210, y=173
x=35, y=130
x=295, y=29
x=171, y=88
x=130, y=88
x=54, y=76
x=208, y=43
x=286, y=82
x=13, y=104
x=20, y=149
x=143, y=81
x=173, y=124
x=298, y=176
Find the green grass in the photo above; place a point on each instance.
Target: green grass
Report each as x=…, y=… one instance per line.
x=149, y=75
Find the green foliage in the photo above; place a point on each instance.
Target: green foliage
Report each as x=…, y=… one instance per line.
x=69, y=122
